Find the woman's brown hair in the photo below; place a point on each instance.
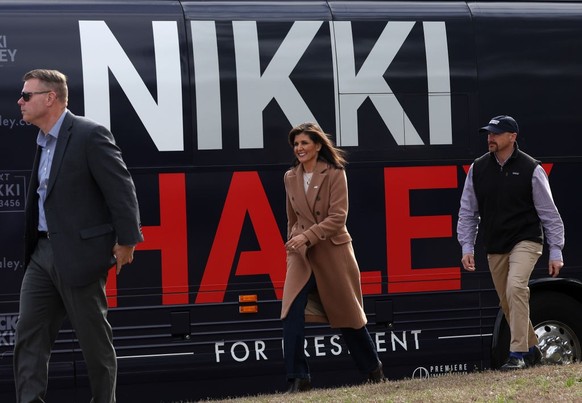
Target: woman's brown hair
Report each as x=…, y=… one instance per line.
x=328, y=152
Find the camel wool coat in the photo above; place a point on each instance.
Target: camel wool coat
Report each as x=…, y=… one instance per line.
x=320, y=214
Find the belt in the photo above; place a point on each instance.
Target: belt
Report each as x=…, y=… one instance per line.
x=43, y=234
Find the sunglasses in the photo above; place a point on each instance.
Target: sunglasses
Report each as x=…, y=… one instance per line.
x=27, y=95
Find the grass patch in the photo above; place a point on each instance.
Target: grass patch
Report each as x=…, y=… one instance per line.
x=542, y=383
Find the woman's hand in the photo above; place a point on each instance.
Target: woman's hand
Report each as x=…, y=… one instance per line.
x=296, y=242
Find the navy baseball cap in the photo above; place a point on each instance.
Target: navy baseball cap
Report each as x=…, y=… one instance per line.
x=501, y=124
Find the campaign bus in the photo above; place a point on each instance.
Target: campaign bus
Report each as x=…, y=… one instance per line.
x=200, y=96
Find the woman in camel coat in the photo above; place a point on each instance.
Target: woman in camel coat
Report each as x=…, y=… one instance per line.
x=323, y=278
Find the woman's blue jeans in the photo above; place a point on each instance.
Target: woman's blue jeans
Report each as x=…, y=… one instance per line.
x=358, y=341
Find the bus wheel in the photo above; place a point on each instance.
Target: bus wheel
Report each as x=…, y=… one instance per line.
x=557, y=320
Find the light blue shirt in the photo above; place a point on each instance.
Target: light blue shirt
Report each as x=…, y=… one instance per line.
x=548, y=214
x=48, y=143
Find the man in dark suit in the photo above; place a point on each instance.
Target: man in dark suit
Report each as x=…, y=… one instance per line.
x=82, y=217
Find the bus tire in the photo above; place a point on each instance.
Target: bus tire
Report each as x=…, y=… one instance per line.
x=557, y=320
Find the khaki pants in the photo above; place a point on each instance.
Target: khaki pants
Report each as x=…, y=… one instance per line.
x=510, y=273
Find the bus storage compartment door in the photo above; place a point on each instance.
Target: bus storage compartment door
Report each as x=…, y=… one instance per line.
x=384, y=312
x=180, y=324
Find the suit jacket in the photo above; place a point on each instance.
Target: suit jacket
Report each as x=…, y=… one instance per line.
x=320, y=214
x=90, y=203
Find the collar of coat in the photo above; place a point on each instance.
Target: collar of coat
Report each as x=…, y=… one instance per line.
x=306, y=201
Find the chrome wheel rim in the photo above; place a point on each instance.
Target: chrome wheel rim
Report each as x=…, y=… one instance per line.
x=558, y=343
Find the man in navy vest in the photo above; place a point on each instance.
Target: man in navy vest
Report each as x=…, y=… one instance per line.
x=507, y=193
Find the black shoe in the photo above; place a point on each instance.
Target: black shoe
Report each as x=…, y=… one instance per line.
x=299, y=385
x=377, y=375
x=534, y=358
x=513, y=363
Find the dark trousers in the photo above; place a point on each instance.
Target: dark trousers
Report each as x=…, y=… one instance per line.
x=358, y=341
x=44, y=302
